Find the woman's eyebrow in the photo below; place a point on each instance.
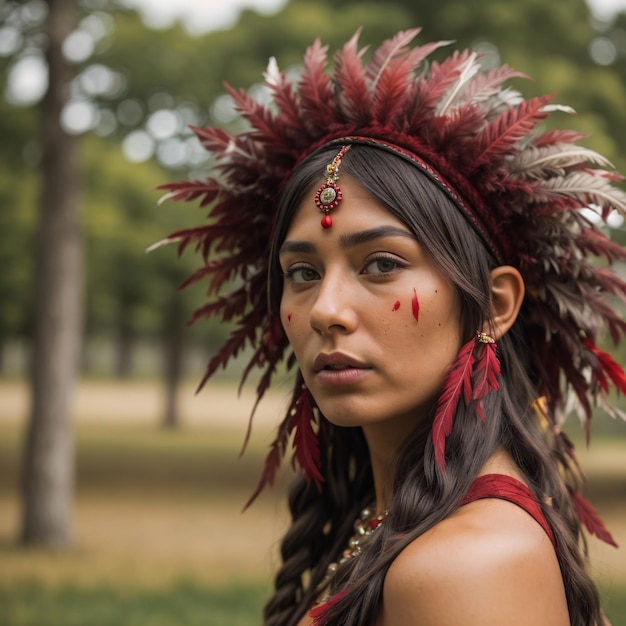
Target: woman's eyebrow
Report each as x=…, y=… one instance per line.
x=297, y=246
x=356, y=239
x=350, y=240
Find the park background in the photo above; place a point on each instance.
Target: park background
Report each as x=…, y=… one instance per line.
x=144, y=523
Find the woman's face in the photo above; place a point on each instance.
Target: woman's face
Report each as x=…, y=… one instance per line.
x=373, y=323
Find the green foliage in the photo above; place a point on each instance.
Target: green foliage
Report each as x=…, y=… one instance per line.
x=613, y=600
x=183, y=603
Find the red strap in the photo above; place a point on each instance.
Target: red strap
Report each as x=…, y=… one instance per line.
x=510, y=489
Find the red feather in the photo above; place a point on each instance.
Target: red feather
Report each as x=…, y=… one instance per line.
x=458, y=381
x=391, y=73
x=557, y=136
x=389, y=50
x=488, y=84
x=507, y=129
x=260, y=118
x=487, y=371
x=354, y=95
x=305, y=441
x=214, y=139
x=590, y=518
x=272, y=463
x=609, y=367
x=317, y=99
x=286, y=100
x=320, y=612
x=423, y=99
x=190, y=190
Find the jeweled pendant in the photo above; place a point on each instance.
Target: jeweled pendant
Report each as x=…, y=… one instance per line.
x=329, y=195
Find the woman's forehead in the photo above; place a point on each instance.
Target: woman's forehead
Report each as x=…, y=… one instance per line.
x=359, y=210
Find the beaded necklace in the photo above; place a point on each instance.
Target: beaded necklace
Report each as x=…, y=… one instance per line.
x=364, y=527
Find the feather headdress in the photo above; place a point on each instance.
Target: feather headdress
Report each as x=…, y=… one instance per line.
x=519, y=188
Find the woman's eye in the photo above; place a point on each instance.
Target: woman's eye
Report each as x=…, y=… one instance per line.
x=381, y=266
x=302, y=274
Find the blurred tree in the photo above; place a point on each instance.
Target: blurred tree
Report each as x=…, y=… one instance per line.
x=48, y=459
x=17, y=224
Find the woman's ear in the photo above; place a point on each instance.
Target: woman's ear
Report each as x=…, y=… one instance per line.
x=507, y=295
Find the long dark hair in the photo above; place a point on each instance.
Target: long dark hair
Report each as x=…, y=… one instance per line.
x=422, y=495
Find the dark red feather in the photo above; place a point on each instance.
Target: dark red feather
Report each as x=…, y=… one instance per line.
x=486, y=372
x=458, y=382
x=320, y=612
x=506, y=130
x=354, y=94
x=305, y=441
x=592, y=521
x=272, y=463
x=609, y=366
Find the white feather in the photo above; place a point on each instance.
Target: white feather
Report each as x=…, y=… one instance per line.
x=272, y=73
x=549, y=108
x=587, y=188
x=163, y=242
x=166, y=197
x=469, y=70
x=560, y=155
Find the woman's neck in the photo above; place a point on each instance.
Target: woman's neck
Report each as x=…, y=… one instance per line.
x=383, y=445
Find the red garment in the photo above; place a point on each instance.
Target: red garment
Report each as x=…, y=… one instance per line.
x=498, y=486
x=507, y=488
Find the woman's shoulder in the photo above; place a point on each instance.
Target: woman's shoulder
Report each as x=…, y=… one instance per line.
x=488, y=563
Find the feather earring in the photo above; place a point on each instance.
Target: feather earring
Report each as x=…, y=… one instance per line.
x=473, y=375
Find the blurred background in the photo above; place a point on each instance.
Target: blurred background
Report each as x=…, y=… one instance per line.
x=121, y=489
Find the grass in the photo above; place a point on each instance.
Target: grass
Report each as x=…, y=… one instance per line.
x=614, y=604
x=183, y=603
x=160, y=538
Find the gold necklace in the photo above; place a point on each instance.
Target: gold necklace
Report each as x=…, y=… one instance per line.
x=364, y=527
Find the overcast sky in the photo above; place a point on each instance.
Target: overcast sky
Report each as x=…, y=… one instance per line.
x=199, y=16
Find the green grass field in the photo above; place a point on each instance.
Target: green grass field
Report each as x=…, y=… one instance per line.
x=184, y=603
x=160, y=537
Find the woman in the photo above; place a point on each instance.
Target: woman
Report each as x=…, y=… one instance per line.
x=409, y=240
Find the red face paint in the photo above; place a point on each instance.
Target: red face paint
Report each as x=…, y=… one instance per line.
x=415, y=306
x=396, y=306
x=289, y=317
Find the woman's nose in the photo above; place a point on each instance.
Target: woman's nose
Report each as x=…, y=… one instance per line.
x=333, y=309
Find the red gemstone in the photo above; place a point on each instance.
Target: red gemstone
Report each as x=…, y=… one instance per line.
x=327, y=221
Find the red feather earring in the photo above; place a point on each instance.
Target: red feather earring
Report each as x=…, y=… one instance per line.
x=473, y=375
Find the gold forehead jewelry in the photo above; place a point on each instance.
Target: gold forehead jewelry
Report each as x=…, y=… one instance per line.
x=329, y=195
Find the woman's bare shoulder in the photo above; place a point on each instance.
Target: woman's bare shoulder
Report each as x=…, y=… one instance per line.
x=489, y=563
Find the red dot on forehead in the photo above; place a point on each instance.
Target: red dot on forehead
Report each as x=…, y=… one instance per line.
x=289, y=316
x=396, y=305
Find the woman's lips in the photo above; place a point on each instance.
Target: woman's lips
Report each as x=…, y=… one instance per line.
x=335, y=378
x=337, y=369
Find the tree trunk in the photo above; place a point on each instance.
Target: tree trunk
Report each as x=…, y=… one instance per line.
x=48, y=469
x=125, y=337
x=173, y=359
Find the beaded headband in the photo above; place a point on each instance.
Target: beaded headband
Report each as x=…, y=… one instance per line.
x=521, y=189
